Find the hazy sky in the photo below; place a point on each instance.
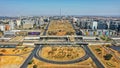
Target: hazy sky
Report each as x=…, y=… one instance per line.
x=52, y=7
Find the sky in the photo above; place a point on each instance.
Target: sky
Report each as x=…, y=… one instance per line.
x=52, y=7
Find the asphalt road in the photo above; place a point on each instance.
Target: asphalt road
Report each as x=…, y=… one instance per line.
x=25, y=64
x=46, y=29
x=97, y=62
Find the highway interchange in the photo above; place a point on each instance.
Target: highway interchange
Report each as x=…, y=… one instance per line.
x=38, y=48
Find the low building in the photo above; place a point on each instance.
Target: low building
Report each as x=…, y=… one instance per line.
x=21, y=33
x=9, y=34
x=33, y=33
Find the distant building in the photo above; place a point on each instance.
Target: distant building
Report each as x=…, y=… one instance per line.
x=18, y=23
x=7, y=27
x=21, y=33
x=99, y=32
x=9, y=34
x=12, y=25
x=113, y=26
x=74, y=20
x=94, y=25
x=2, y=27
x=27, y=24
x=102, y=26
x=119, y=28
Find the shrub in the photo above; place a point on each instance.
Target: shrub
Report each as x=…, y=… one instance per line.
x=97, y=49
x=3, y=50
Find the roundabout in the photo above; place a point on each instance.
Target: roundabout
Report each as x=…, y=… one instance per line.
x=61, y=54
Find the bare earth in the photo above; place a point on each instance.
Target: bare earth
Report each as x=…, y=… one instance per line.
x=63, y=53
x=112, y=63
x=13, y=61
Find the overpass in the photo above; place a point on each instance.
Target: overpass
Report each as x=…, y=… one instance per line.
x=78, y=40
x=60, y=43
x=59, y=37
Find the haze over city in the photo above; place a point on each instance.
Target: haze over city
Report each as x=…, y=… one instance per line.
x=52, y=7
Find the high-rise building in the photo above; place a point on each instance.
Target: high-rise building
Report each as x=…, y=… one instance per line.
x=102, y=26
x=94, y=25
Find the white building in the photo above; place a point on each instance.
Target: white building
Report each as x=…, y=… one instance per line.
x=94, y=25
x=12, y=25
x=2, y=27
x=108, y=24
x=75, y=19
x=18, y=22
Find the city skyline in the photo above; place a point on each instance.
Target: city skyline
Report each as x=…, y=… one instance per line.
x=52, y=7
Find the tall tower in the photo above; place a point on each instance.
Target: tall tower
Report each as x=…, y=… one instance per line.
x=60, y=12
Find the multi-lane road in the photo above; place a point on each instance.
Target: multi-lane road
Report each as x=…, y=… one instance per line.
x=96, y=61
x=25, y=64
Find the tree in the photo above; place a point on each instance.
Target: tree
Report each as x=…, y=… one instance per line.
x=30, y=62
x=35, y=66
x=34, y=25
x=107, y=56
x=52, y=33
x=69, y=33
